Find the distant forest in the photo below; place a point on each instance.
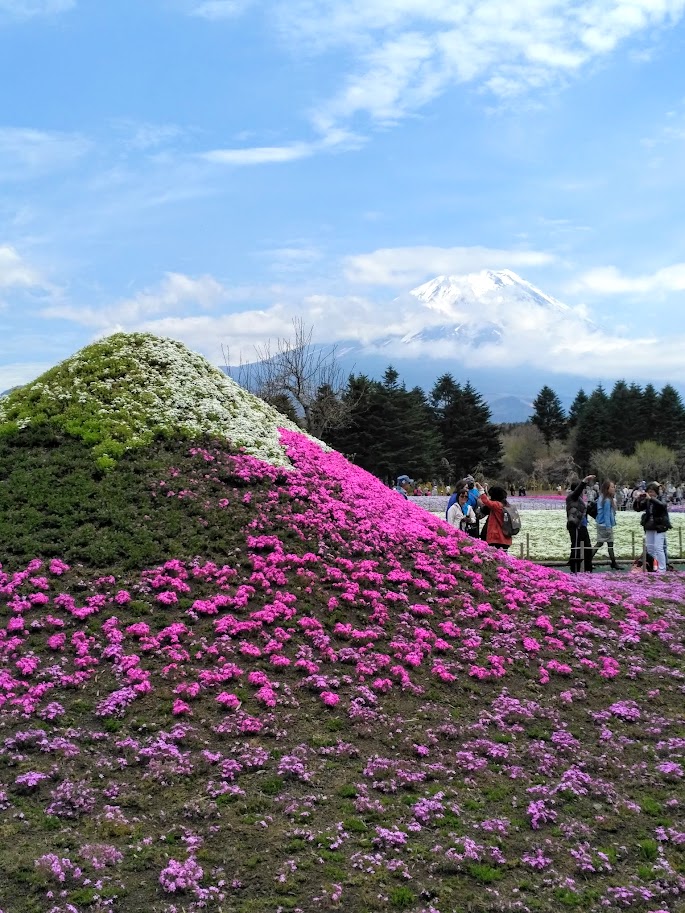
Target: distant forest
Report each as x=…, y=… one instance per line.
x=631, y=433
x=448, y=432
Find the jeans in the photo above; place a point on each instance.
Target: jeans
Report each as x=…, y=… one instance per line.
x=656, y=543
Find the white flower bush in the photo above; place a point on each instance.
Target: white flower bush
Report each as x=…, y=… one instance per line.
x=122, y=391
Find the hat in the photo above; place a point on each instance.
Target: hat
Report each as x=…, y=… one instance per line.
x=469, y=479
x=654, y=486
x=402, y=480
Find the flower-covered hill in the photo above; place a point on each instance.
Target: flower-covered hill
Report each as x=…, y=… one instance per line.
x=317, y=696
x=129, y=388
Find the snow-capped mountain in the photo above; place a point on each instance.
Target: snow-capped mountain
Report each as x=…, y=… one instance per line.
x=479, y=309
x=495, y=329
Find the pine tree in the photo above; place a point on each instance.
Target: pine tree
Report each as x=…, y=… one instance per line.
x=480, y=443
x=648, y=413
x=357, y=439
x=549, y=415
x=592, y=429
x=621, y=412
x=670, y=418
x=470, y=441
x=634, y=419
x=423, y=447
x=445, y=400
x=577, y=407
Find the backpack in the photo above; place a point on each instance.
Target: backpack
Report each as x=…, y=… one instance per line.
x=574, y=514
x=511, y=521
x=592, y=509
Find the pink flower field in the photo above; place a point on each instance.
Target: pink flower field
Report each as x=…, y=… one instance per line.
x=349, y=707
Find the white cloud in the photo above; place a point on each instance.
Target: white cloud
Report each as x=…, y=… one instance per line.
x=16, y=375
x=609, y=280
x=27, y=154
x=174, y=293
x=28, y=9
x=15, y=271
x=406, y=52
x=146, y=136
x=332, y=138
x=571, y=345
x=402, y=54
x=536, y=336
x=220, y=9
x=405, y=266
x=260, y=155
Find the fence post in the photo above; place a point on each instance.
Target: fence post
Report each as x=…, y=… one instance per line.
x=521, y=549
x=527, y=545
x=680, y=540
x=632, y=547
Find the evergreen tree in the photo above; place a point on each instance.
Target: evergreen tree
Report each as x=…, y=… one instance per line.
x=592, y=429
x=480, y=443
x=649, y=410
x=549, y=415
x=670, y=419
x=634, y=419
x=470, y=440
x=445, y=400
x=577, y=407
x=423, y=447
x=621, y=411
x=391, y=430
x=356, y=439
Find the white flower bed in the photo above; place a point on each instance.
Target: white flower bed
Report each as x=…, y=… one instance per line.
x=548, y=539
x=131, y=384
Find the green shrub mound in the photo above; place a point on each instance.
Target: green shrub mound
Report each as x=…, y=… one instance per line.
x=55, y=501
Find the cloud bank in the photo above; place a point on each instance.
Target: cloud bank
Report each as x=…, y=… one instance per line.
x=547, y=339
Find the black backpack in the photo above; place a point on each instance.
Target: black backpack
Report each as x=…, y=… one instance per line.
x=592, y=510
x=511, y=521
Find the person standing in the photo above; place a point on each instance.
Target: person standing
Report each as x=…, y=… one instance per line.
x=606, y=520
x=495, y=535
x=576, y=524
x=655, y=523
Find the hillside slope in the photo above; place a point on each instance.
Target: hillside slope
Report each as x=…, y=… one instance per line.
x=293, y=690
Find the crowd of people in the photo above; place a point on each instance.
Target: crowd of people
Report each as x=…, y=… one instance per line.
x=472, y=504
x=587, y=498
x=626, y=497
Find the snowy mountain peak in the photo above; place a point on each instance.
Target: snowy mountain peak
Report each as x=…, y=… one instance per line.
x=457, y=296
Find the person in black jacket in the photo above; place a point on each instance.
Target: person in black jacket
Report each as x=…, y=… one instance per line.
x=655, y=523
x=576, y=524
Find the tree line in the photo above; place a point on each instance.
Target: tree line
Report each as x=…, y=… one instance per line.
x=630, y=432
x=445, y=433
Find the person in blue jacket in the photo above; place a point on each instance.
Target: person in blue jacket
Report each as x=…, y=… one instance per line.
x=403, y=486
x=606, y=520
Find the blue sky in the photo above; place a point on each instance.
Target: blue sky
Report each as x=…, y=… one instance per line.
x=207, y=169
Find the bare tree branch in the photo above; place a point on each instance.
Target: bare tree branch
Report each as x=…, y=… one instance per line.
x=295, y=371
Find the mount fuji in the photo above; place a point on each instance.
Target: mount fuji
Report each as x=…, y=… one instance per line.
x=481, y=327
x=480, y=309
